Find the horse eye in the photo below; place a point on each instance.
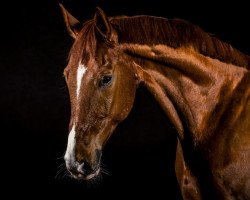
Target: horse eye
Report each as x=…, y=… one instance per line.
x=105, y=81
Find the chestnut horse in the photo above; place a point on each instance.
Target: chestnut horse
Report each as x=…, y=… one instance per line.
x=201, y=83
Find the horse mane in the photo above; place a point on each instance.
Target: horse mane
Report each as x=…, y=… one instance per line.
x=176, y=33
x=157, y=30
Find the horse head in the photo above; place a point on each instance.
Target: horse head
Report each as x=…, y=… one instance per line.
x=101, y=84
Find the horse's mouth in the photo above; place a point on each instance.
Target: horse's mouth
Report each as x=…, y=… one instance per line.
x=81, y=176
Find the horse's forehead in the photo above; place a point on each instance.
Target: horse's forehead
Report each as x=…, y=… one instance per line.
x=90, y=61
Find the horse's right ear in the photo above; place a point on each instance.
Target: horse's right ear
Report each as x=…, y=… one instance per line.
x=72, y=24
x=104, y=27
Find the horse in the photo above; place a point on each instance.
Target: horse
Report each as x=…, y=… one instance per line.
x=200, y=82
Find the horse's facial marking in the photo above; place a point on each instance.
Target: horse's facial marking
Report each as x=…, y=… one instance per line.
x=80, y=72
x=70, y=152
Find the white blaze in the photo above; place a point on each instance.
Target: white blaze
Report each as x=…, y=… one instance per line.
x=70, y=152
x=80, y=72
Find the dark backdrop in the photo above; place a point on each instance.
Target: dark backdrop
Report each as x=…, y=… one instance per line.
x=35, y=106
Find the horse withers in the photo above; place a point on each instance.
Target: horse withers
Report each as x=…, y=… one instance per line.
x=201, y=83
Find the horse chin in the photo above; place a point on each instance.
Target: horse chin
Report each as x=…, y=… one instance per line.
x=87, y=177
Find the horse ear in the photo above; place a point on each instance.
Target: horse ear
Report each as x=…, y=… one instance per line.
x=139, y=73
x=72, y=24
x=104, y=27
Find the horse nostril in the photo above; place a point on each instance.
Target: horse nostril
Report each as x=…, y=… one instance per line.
x=84, y=168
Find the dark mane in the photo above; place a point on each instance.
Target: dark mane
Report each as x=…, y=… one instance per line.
x=176, y=33
x=156, y=30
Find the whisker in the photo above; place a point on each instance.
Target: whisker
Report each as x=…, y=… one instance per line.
x=59, y=158
x=104, y=170
x=61, y=171
x=61, y=165
x=99, y=179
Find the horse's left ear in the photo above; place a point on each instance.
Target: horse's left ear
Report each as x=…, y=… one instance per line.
x=139, y=73
x=104, y=27
x=72, y=24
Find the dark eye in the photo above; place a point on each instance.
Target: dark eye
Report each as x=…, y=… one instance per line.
x=105, y=81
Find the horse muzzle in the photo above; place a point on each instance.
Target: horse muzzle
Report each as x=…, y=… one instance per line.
x=84, y=169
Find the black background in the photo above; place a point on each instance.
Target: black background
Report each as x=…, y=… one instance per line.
x=35, y=106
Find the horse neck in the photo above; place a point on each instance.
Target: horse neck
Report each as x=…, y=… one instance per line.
x=193, y=90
